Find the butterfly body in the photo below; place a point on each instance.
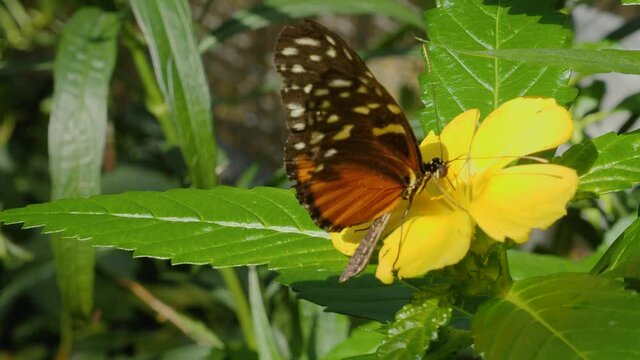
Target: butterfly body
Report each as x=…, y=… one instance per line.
x=350, y=150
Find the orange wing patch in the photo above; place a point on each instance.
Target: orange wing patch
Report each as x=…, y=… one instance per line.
x=354, y=197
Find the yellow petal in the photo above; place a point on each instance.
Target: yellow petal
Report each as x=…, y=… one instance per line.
x=456, y=137
x=519, y=127
x=429, y=242
x=346, y=241
x=455, y=141
x=512, y=201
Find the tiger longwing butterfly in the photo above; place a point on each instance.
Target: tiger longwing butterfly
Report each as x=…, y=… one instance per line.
x=350, y=148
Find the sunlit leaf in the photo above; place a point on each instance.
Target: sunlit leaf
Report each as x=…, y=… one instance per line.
x=561, y=316
x=585, y=61
x=462, y=81
x=607, y=163
x=221, y=227
x=166, y=26
x=415, y=326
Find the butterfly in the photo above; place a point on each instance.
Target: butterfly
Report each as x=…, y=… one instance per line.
x=350, y=151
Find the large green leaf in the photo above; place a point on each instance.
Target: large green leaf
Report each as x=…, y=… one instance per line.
x=561, y=316
x=272, y=11
x=586, y=61
x=623, y=256
x=607, y=163
x=221, y=227
x=525, y=264
x=166, y=26
x=462, y=81
x=415, y=326
x=77, y=130
x=363, y=296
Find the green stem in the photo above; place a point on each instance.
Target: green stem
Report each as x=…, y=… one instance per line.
x=504, y=281
x=243, y=312
x=153, y=97
x=66, y=335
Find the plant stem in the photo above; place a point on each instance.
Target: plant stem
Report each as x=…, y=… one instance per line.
x=153, y=97
x=243, y=312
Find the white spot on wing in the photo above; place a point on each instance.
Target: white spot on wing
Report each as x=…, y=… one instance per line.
x=315, y=57
x=297, y=68
x=330, y=152
x=331, y=52
x=296, y=112
x=347, y=54
x=298, y=126
x=289, y=51
x=340, y=83
x=307, y=41
x=330, y=39
x=299, y=146
x=361, y=110
x=307, y=88
x=321, y=92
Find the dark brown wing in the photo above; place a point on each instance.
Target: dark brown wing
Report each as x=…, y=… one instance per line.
x=350, y=150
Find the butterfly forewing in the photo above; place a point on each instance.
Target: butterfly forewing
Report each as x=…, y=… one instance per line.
x=350, y=150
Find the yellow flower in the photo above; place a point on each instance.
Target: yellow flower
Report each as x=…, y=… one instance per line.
x=480, y=188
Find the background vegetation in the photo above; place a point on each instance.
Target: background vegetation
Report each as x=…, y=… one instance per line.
x=139, y=110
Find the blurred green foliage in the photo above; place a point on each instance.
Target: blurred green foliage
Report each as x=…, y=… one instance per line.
x=147, y=308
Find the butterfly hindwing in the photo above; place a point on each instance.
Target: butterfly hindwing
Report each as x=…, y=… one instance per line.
x=350, y=150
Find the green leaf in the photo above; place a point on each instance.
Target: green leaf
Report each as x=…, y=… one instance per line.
x=363, y=340
x=84, y=63
x=272, y=11
x=166, y=26
x=267, y=345
x=322, y=330
x=585, y=61
x=623, y=256
x=462, y=81
x=221, y=227
x=77, y=130
x=561, y=316
x=525, y=264
x=630, y=2
x=415, y=326
x=607, y=163
x=363, y=296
